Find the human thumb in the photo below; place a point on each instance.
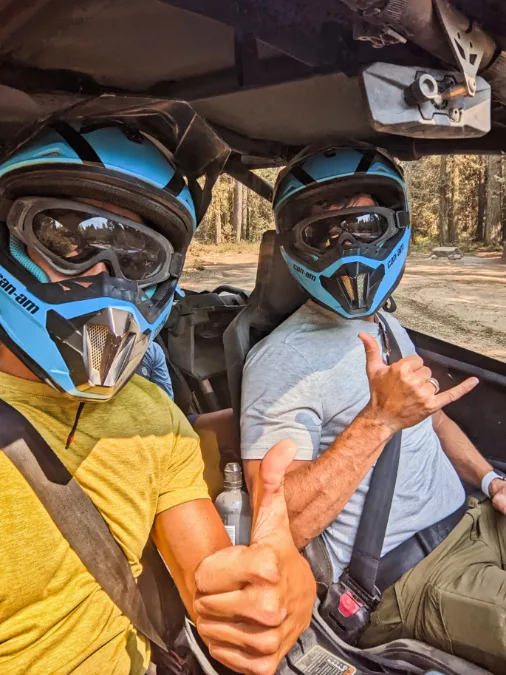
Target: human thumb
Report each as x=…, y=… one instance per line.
x=499, y=502
x=374, y=361
x=270, y=515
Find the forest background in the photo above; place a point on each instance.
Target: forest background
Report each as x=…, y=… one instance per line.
x=455, y=200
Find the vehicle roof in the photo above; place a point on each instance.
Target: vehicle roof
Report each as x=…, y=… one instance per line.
x=272, y=75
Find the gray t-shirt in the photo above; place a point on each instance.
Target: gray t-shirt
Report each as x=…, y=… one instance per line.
x=307, y=381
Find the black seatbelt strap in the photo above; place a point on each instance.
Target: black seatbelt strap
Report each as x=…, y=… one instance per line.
x=365, y=558
x=75, y=515
x=349, y=602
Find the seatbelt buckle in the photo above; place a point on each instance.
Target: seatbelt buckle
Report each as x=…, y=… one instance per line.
x=348, y=608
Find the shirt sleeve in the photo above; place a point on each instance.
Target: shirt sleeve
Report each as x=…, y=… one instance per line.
x=280, y=399
x=181, y=466
x=144, y=369
x=159, y=370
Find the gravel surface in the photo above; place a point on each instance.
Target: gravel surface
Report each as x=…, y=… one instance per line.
x=461, y=301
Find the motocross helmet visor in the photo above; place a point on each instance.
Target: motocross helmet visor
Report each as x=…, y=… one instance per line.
x=73, y=237
x=366, y=225
x=342, y=220
x=328, y=220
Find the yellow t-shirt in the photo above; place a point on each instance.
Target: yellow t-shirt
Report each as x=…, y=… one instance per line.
x=135, y=456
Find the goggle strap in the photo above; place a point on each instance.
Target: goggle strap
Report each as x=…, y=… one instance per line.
x=176, y=265
x=285, y=238
x=5, y=207
x=402, y=218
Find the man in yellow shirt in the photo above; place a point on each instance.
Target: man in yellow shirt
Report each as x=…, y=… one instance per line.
x=95, y=223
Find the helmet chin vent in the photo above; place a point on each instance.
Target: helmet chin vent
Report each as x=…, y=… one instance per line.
x=112, y=347
x=354, y=289
x=108, y=353
x=348, y=287
x=361, y=279
x=97, y=337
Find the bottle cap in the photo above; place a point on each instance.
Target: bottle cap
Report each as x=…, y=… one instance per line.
x=233, y=475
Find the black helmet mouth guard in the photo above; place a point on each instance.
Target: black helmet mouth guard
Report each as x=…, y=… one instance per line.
x=174, y=126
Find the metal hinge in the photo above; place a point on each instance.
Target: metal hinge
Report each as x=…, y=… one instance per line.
x=467, y=41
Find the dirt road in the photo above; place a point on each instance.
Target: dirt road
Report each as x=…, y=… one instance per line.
x=462, y=301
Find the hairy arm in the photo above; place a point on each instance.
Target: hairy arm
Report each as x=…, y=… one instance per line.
x=317, y=491
x=400, y=397
x=468, y=462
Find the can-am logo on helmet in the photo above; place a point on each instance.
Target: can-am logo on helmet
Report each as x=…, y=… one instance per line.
x=395, y=256
x=307, y=274
x=21, y=299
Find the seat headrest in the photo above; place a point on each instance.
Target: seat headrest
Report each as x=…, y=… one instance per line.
x=275, y=297
x=276, y=294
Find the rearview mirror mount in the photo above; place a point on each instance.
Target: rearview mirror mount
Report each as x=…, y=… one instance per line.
x=425, y=103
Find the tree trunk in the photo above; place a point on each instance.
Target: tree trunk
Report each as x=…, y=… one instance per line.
x=503, y=216
x=217, y=224
x=443, y=201
x=452, y=180
x=237, y=213
x=248, y=223
x=245, y=234
x=480, y=220
x=493, y=225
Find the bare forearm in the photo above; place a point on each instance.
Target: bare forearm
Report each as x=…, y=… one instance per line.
x=467, y=460
x=185, y=535
x=317, y=492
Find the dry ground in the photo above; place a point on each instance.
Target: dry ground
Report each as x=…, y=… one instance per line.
x=461, y=301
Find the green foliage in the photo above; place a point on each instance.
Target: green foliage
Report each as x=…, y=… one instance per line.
x=457, y=181
x=258, y=213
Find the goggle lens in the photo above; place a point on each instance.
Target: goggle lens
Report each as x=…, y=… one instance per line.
x=323, y=234
x=80, y=237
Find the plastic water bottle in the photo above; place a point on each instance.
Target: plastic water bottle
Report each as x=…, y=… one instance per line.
x=234, y=507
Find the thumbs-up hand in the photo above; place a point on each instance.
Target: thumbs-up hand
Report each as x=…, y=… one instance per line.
x=402, y=394
x=253, y=601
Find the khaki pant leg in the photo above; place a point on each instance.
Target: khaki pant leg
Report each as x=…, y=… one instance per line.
x=455, y=599
x=386, y=622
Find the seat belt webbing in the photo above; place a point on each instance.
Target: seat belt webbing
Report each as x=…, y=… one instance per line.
x=366, y=554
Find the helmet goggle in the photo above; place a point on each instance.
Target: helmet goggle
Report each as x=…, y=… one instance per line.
x=364, y=224
x=330, y=218
x=73, y=237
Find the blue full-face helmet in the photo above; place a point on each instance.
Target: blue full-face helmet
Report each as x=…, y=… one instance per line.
x=343, y=227
x=63, y=198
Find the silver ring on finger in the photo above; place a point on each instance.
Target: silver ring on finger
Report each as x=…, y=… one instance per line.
x=435, y=383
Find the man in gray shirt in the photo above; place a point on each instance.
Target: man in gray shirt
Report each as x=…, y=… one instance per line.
x=307, y=381
x=343, y=226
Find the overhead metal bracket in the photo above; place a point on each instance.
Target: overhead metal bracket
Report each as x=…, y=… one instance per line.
x=425, y=103
x=251, y=180
x=246, y=58
x=378, y=36
x=468, y=42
